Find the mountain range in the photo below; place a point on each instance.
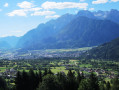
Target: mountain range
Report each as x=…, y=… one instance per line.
x=72, y=31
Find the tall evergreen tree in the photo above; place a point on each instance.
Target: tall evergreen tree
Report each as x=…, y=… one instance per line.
x=3, y=85
x=102, y=85
x=25, y=81
x=45, y=72
x=84, y=85
x=79, y=78
x=33, y=79
x=71, y=81
x=18, y=81
x=93, y=82
x=108, y=86
x=40, y=75
x=62, y=80
x=49, y=71
x=49, y=83
x=115, y=84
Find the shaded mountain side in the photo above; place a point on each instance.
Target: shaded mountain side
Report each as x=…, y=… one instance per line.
x=44, y=30
x=80, y=32
x=108, y=51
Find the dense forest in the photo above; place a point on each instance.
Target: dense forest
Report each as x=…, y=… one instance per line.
x=107, y=51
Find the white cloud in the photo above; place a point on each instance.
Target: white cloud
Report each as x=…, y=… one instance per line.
x=6, y=5
x=35, y=9
x=91, y=9
x=17, y=13
x=23, y=12
x=55, y=16
x=31, y=9
x=114, y=0
x=99, y=1
x=27, y=7
x=82, y=0
x=25, y=4
x=63, y=5
x=42, y=13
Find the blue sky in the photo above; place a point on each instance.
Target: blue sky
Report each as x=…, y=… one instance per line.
x=19, y=16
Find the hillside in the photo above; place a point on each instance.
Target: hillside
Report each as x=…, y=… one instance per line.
x=109, y=51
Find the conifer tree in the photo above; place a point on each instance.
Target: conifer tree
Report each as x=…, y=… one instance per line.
x=25, y=81
x=33, y=79
x=108, y=86
x=115, y=84
x=45, y=72
x=18, y=81
x=40, y=75
x=62, y=80
x=84, y=85
x=71, y=81
x=49, y=83
x=49, y=71
x=3, y=85
x=93, y=82
x=79, y=78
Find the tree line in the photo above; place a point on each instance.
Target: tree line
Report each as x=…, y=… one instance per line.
x=47, y=80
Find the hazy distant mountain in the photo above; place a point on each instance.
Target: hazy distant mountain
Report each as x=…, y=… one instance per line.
x=107, y=51
x=4, y=45
x=11, y=40
x=71, y=31
x=112, y=15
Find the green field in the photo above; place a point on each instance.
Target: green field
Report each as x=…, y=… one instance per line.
x=64, y=50
x=3, y=69
x=59, y=69
x=86, y=65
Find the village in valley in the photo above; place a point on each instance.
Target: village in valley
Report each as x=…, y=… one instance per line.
x=9, y=68
x=35, y=54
